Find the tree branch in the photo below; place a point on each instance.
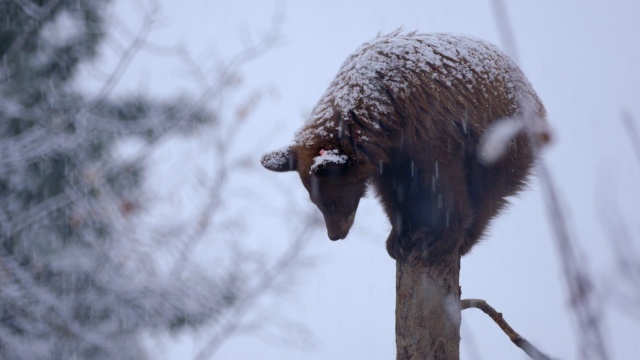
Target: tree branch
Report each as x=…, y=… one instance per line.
x=634, y=136
x=18, y=43
x=268, y=279
x=520, y=342
x=226, y=138
x=126, y=58
x=585, y=307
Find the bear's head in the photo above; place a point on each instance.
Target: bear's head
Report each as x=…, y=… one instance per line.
x=335, y=181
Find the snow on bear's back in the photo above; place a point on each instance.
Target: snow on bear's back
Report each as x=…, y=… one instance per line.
x=389, y=68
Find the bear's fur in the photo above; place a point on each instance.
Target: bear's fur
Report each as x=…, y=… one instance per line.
x=405, y=115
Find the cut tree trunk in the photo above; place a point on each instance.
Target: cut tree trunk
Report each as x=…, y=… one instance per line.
x=428, y=308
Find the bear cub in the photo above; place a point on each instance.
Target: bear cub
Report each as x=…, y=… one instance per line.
x=406, y=115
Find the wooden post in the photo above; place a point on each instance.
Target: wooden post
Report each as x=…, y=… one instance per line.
x=428, y=308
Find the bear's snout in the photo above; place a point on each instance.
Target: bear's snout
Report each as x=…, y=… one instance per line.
x=338, y=227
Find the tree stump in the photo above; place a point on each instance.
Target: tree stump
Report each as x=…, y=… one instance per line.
x=428, y=308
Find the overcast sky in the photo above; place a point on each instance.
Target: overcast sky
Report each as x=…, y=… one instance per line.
x=583, y=59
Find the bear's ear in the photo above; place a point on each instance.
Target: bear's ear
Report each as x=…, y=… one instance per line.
x=280, y=160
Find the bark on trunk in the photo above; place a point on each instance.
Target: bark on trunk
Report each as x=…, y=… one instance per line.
x=428, y=308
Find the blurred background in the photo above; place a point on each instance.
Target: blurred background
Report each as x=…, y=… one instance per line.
x=136, y=221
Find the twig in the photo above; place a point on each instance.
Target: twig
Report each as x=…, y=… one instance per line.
x=585, y=306
x=30, y=9
x=518, y=340
x=267, y=280
x=227, y=138
x=634, y=136
x=505, y=30
x=125, y=59
x=623, y=288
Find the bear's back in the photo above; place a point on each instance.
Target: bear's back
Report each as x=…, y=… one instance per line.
x=408, y=82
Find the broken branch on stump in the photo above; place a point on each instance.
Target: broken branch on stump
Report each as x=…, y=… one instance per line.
x=520, y=342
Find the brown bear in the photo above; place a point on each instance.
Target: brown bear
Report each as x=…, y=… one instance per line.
x=405, y=115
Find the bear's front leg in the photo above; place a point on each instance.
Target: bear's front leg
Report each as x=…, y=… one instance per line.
x=435, y=247
x=427, y=204
x=398, y=244
x=431, y=247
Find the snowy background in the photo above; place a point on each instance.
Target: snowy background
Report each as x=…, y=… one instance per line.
x=583, y=59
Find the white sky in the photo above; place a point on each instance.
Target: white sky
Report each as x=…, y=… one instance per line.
x=582, y=57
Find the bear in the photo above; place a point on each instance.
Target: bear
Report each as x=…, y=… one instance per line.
x=405, y=116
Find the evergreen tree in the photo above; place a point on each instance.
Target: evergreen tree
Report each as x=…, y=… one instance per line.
x=63, y=295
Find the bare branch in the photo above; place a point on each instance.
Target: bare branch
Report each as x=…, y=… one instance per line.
x=226, y=138
x=585, y=307
x=30, y=8
x=518, y=340
x=505, y=30
x=267, y=280
x=579, y=280
x=623, y=288
x=632, y=131
x=125, y=59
